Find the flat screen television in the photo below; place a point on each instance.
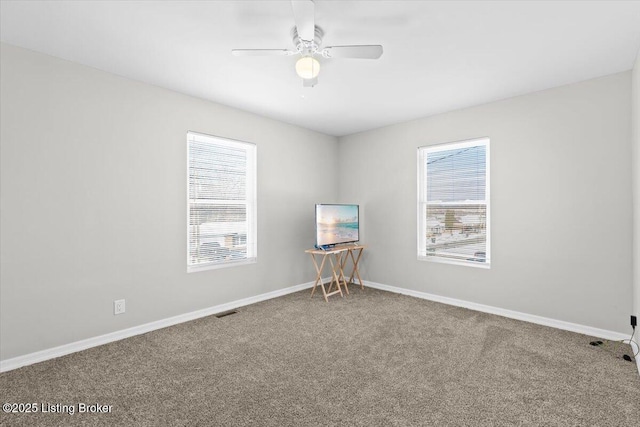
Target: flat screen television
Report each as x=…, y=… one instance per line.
x=336, y=224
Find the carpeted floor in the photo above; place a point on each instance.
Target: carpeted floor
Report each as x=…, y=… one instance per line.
x=370, y=359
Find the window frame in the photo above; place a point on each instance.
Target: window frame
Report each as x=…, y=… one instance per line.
x=422, y=200
x=250, y=201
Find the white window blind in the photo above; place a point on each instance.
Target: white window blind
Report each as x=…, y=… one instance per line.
x=453, y=202
x=221, y=223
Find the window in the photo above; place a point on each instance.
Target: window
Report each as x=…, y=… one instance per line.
x=453, y=203
x=221, y=223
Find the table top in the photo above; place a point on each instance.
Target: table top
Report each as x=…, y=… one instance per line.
x=336, y=249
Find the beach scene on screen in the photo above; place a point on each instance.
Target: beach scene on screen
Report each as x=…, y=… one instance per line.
x=336, y=224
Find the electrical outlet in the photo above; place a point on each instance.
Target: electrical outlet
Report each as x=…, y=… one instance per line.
x=118, y=306
x=634, y=321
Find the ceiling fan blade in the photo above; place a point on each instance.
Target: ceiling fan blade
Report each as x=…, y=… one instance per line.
x=262, y=52
x=303, y=13
x=358, y=51
x=309, y=82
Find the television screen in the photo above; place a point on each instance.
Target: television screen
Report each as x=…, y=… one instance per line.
x=336, y=224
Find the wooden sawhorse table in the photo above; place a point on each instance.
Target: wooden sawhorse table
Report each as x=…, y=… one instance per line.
x=338, y=257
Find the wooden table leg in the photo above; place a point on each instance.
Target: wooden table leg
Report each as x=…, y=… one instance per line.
x=336, y=273
x=318, y=274
x=335, y=276
x=340, y=259
x=355, y=271
x=343, y=262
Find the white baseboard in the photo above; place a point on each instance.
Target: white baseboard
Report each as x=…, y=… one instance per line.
x=51, y=353
x=545, y=321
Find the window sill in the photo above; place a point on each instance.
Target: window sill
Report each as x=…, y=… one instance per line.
x=218, y=265
x=441, y=260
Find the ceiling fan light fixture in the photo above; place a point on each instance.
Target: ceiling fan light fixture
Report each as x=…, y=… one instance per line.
x=307, y=67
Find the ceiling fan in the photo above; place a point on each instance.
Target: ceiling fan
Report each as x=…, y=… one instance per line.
x=307, y=39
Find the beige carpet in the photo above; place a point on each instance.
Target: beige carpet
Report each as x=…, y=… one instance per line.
x=370, y=359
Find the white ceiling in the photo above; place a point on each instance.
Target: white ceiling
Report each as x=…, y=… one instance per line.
x=438, y=56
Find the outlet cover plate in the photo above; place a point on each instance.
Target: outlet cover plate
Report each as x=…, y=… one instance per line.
x=118, y=306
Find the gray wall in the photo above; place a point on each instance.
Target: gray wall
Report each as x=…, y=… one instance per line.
x=561, y=215
x=93, y=202
x=635, y=159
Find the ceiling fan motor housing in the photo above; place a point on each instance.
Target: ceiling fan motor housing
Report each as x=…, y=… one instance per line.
x=308, y=47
